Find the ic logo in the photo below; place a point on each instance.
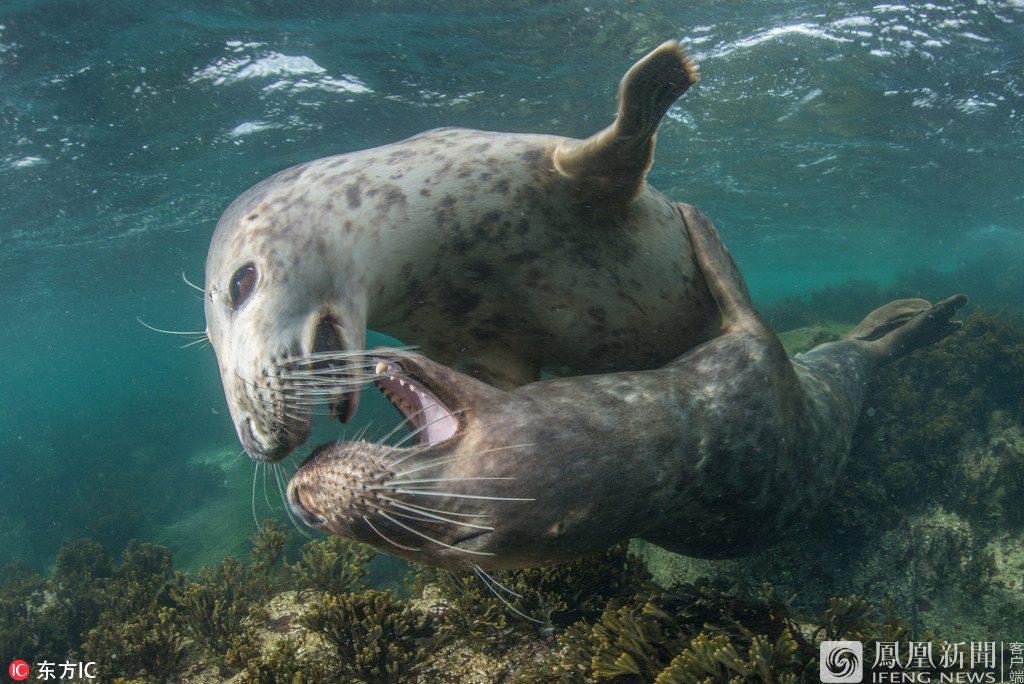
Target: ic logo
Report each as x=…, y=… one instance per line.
x=841, y=661
x=18, y=670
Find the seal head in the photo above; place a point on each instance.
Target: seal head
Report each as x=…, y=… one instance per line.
x=274, y=326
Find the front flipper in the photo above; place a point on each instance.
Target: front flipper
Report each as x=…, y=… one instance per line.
x=722, y=276
x=611, y=164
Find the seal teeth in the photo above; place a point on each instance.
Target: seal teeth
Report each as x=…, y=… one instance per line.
x=380, y=368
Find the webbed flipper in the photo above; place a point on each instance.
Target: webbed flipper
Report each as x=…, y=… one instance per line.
x=612, y=164
x=902, y=326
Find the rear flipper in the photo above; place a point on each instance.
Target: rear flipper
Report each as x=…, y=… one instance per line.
x=902, y=326
x=610, y=166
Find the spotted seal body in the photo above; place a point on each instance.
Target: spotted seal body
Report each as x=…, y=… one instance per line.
x=499, y=254
x=719, y=453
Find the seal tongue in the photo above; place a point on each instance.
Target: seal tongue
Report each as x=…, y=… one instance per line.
x=429, y=420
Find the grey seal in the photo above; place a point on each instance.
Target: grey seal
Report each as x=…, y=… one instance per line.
x=722, y=452
x=499, y=254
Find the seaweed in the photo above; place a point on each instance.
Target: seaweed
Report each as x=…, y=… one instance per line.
x=148, y=646
x=376, y=638
x=215, y=605
x=83, y=567
x=686, y=633
x=138, y=633
x=700, y=633
x=25, y=614
x=602, y=619
x=333, y=565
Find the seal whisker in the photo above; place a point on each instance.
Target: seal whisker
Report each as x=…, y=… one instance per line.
x=391, y=433
x=317, y=392
x=200, y=335
x=482, y=497
x=435, y=510
x=323, y=381
x=456, y=581
x=385, y=538
x=191, y=284
x=358, y=355
x=188, y=333
x=391, y=483
x=205, y=341
x=487, y=580
x=428, y=517
x=325, y=375
x=451, y=459
x=418, y=533
x=266, y=496
x=255, y=474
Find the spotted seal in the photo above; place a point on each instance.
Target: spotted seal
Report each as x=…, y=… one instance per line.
x=499, y=254
x=719, y=453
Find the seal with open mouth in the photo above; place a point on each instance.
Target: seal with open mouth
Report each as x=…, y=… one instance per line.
x=499, y=254
x=719, y=453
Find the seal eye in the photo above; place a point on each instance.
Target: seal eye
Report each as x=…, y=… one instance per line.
x=243, y=282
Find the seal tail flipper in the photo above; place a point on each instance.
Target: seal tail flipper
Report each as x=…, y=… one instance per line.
x=722, y=275
x=618, y=156
x=904, y=325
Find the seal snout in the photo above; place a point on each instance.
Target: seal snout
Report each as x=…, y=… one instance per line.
x=263, y=451
x=295, y=497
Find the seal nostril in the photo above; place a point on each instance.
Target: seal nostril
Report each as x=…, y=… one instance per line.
x=307, y=517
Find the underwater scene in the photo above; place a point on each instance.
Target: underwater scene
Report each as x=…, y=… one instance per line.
x=849, y=154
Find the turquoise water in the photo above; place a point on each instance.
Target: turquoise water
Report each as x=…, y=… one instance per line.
x=863, y=140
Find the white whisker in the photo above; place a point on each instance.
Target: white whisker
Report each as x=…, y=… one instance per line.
x=391, y=433
x=191, y=284
x=202, y=340
x=392, y=483
x=385, y=538
x=431, y=539
x=436, y=510
x=487, y=580
x=266, y=497
x=255, y=473
x=427, y=517
x=237, y=456
x=188, y=333
x=421, y=492
x=449, y=459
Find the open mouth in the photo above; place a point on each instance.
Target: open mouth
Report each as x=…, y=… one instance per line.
x=326, y=340
x=428, y=419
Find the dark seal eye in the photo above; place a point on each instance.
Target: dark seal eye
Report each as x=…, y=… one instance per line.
x=243, y=282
